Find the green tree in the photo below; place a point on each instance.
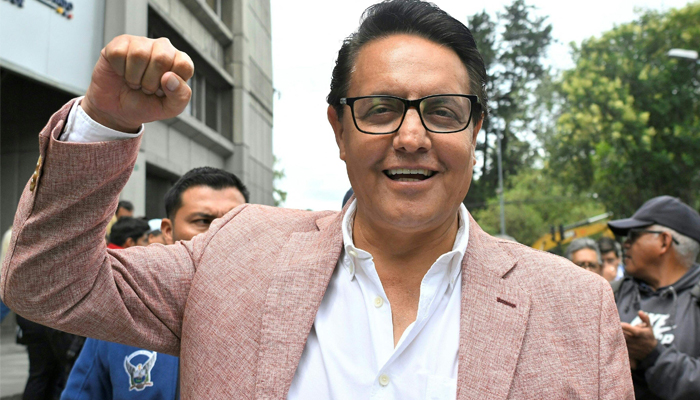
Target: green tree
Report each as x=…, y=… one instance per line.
x=279, y=195
x=513, y=47
x=534, y=203
x=630, y=123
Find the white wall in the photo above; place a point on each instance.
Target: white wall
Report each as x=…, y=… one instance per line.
x=35, y=40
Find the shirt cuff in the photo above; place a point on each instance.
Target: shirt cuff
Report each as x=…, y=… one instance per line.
x=80, y=128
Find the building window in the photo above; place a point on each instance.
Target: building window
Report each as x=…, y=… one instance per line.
x=211, y=106
x=211, y=96
x=205, y=104
x=215, y=5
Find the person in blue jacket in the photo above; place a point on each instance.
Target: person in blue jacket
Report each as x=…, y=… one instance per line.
x=112, y=371
x=107, y=370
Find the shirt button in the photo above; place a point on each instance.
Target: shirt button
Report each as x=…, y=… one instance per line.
x=378, y=302
x=383, y=380
x=353, y=253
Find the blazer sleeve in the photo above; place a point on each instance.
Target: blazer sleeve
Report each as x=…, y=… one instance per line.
x=614, y=374
x=58, y=271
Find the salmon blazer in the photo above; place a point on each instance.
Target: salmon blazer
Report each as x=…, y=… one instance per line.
x=237, y=303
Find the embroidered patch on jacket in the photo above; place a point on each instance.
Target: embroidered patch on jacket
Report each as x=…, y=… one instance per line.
x=140, y=374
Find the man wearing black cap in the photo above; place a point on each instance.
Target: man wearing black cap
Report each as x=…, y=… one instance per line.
x=659, y=299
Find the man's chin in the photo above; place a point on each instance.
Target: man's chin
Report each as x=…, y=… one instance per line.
x=415, y=220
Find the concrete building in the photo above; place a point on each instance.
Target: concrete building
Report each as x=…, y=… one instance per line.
x=49, y=47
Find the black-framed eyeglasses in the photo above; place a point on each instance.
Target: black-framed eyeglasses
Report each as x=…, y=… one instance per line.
x=634, y=234
x=591, y=266
x=439, y=113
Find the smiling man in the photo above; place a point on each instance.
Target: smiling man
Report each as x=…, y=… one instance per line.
x=400, y=295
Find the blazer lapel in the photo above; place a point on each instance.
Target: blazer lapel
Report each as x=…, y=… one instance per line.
x=493, y=322
x=305, y=266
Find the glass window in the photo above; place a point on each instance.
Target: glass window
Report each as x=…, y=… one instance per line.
x=212, y=107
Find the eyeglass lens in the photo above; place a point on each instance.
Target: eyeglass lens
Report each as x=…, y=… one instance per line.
x=385, y=114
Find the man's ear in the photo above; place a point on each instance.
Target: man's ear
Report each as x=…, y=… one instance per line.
x=475, y=133
x=337, y=126
x=666, y=242
x=166, y=226
x=129, y=243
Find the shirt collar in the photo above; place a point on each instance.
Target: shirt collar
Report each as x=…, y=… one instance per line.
x=352, y=254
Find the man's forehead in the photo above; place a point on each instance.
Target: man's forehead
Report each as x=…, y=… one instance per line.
x=205, y=199
x=399, y=62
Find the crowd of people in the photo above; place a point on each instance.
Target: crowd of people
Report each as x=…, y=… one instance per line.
x=656, y=281
x=400, y=295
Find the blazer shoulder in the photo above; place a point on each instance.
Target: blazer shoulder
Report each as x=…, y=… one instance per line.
x=537, y=270
x=273, y=224
x=284, y=218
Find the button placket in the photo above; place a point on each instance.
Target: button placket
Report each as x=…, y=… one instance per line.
x=378, y=301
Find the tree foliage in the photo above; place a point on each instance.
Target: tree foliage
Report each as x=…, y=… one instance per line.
x=630, y=123
x=534, y=203
x=279, y=195
x=513, y=47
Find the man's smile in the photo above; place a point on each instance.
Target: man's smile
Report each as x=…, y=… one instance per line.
x=408, y=175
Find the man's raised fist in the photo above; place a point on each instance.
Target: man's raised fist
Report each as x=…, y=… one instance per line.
x=138, y=80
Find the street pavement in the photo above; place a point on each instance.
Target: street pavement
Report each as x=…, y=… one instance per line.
x=14, y=363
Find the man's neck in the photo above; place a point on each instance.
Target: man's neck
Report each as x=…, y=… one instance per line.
x=401, y=260
x=410, y=252
x=669, y=274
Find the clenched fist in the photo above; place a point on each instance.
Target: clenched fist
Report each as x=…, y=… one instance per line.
x=138, y=80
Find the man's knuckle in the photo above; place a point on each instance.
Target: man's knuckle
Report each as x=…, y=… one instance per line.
x=165, y=42
x=162, y=61
x=140, y=54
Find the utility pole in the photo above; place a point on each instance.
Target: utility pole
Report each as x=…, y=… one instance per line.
x=500, y=186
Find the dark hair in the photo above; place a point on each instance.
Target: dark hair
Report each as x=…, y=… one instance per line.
x=412, y=17
x=214, y=178
x=606, y=244
x=127, y=227
x=125, y=204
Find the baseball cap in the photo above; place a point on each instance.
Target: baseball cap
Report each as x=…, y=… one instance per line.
x=663, y=210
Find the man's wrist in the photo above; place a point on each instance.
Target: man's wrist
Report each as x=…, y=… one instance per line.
x=105, y=120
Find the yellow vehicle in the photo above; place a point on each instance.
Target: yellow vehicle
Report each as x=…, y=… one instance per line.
x=567, y=233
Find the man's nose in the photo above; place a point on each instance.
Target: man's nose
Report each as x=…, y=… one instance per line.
x=412, y=136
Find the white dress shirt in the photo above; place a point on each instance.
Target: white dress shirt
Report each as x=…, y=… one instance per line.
x=350, y=351
x=80, y=128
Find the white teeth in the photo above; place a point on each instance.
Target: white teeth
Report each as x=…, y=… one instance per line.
x=405, y=171
x=408, y=180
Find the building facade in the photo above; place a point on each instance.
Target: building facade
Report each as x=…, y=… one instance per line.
x=49, y=47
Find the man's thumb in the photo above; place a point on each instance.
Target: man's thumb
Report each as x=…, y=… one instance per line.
x=177, y=93
x=645, y=318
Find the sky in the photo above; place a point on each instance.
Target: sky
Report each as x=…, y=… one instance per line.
x=306, y=36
